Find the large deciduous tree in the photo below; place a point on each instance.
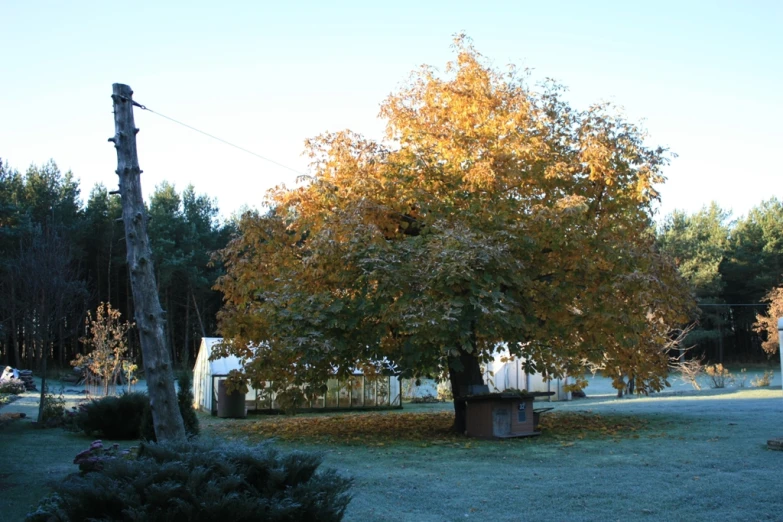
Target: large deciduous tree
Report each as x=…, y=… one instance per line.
x=492, y=213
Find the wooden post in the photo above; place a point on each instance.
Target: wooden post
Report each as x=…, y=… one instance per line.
x=149, y=315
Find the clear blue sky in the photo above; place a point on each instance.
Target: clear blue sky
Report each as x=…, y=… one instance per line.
x=705, y=76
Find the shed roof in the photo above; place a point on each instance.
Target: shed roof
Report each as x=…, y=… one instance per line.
x=505, y=396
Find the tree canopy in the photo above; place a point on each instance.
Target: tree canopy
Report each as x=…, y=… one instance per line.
x=494, y=214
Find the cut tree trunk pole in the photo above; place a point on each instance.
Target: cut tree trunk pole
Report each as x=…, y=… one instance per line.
x=149, y=316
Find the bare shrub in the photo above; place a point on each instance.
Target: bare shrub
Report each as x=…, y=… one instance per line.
x=743, y=378
x=689, y=370
x=720, y=377
x=763, y=380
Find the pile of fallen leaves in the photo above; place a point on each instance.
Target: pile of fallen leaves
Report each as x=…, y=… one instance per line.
x=383, y=428
x=355, y=428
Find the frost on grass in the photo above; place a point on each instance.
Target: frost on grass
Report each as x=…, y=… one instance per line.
x=580, y=425
x=382, y=428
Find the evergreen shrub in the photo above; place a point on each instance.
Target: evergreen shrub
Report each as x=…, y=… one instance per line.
x=129, y=416
x=53, y=414
x=115, y=418
x=200, y=481
x=184, y=401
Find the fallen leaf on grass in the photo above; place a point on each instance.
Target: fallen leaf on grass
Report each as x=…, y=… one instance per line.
x=434, y=428
x=578, y=425
x=363, y=428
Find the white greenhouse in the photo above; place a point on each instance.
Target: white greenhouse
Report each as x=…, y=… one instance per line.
x=357, y=392
x=502, y=373
x=505, y=372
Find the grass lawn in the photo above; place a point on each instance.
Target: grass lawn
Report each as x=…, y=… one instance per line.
x=31, y=458
x=690, y=456
x=683, y=456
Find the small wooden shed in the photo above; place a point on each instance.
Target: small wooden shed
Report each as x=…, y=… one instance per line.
x=501, y=415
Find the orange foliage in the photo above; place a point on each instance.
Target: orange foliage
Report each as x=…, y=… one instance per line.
x=493, y=213
x=429, y=428
x=767, y=324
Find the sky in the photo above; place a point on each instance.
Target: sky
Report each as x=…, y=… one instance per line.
x=703, y=77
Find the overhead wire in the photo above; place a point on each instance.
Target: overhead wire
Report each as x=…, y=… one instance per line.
x=243, y=149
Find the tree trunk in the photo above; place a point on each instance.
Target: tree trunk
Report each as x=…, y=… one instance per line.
x=29, y=342
x=148, y=314
x=464, y=371
x=61, y=342
x=43, y=338
x=170, y=328
x=42, y=398
x=108, y=265
x=198, y=314
x=14, y=331
x=184, y=355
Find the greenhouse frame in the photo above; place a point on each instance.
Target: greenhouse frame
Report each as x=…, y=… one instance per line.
x=356, y=392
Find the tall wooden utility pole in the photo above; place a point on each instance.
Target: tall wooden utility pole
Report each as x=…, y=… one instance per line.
x=149, y=315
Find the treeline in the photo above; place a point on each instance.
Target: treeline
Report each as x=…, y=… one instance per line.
x=731, y=264
x=60, y=258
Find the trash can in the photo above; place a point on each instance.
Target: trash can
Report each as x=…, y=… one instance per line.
x=230, y=405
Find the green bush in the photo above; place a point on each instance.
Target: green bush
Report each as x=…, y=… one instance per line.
x=116, y=418
x=185, y=403
x=12, y=386
x=129, y=416
x=185, y=481
x=185, y=400
x=53, y=415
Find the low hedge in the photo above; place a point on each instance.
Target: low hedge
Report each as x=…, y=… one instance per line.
x=129, y=416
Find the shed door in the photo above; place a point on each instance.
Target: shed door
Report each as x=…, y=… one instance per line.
x=501, y=421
